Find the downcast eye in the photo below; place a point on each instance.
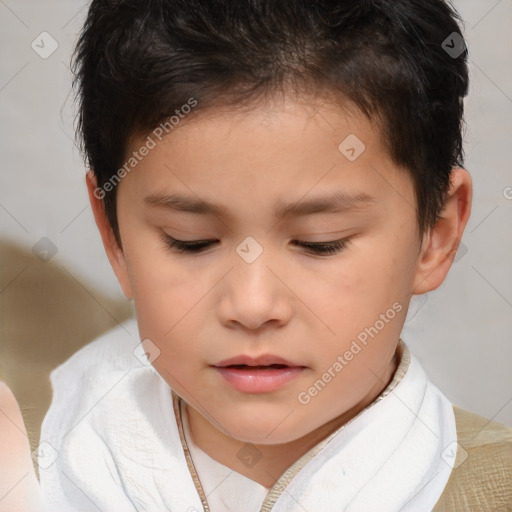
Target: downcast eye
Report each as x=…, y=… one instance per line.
x=196, y=246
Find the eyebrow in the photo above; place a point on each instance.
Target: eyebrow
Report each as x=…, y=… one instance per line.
x=337, y=202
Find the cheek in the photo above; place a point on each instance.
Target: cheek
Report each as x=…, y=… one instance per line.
x=164, y=291
x=388, y=263
x=350, y=295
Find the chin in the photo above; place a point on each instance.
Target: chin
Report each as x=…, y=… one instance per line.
x=264, y=429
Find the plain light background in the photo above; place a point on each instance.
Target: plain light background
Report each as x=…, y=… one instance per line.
x=461, y=332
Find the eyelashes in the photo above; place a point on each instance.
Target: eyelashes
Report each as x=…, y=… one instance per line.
x=197, y=246
x=331, y=247
x=182, y=246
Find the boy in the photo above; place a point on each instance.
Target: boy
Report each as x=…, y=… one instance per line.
x=272, y=182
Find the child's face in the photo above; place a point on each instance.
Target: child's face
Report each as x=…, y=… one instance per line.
x=203, y=308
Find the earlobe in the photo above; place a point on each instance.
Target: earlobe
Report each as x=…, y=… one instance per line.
x=114, y=252
x=441, y=243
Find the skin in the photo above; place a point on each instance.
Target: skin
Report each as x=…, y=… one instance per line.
x=199, y=309
x=19, y=488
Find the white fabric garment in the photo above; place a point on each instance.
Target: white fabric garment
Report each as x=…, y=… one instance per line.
x=225, y=489
x=118, y=448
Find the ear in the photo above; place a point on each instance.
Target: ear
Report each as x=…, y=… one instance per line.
x=114, y=252
x=440, y=244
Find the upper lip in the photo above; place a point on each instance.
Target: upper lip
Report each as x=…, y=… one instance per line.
x=263, y=360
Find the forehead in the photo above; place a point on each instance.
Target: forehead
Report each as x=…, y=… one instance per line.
x=332, y=154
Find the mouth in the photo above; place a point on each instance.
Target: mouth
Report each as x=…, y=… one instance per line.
x=256, y=367
x=264, y=360
x=263, y=374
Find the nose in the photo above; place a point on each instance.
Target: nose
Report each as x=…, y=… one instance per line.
x=255, y=296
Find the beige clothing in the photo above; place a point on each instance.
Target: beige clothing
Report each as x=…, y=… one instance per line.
x=481, y=480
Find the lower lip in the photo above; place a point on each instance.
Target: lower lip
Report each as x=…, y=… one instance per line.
x=259, y=380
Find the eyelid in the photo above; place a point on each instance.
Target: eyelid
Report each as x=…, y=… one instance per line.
x=174, y=242
x=321, y=248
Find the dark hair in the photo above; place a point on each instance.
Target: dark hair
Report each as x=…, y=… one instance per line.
x=138, y=61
